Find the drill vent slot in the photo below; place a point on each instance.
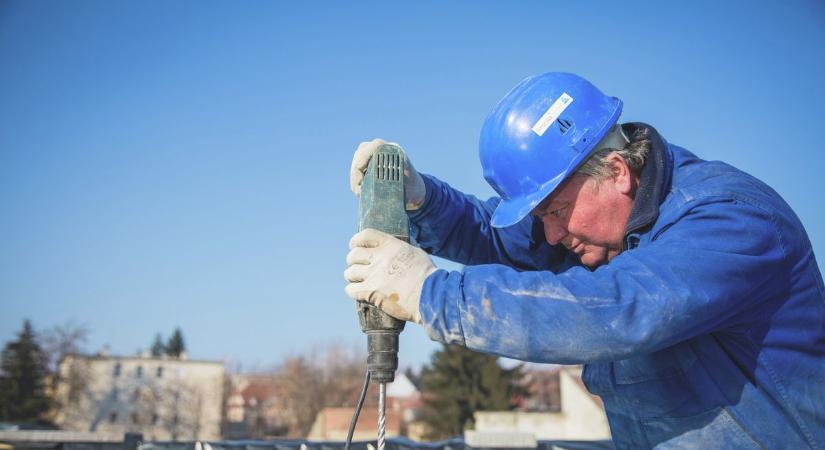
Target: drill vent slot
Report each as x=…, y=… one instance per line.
x=388, y=166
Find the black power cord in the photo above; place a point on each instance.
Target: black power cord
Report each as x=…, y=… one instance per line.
x=357, y=412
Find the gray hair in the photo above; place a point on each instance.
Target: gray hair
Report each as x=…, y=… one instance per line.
x=634, y=153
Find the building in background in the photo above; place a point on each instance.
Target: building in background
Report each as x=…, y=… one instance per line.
x=543, y=392
x=580, y=417
x=164, y=398
x=404, y=400
x=255, y=408
x=402, y=411
x=332, y=424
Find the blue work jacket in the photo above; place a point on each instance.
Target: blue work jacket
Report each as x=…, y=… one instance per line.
x=707, y=331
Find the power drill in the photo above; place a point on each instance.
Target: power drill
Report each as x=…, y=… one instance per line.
x=382, y=208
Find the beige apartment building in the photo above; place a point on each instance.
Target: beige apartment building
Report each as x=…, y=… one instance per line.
x=581, y=418
x=164, y=398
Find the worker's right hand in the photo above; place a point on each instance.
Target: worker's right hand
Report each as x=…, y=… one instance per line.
x=414, y=189
x=387, y=272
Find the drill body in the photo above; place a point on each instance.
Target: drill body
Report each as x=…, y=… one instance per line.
x=382, y=208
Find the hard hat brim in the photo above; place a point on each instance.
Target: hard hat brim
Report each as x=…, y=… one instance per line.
x=510, y=212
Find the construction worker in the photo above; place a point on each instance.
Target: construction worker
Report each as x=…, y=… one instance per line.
x=688, y=288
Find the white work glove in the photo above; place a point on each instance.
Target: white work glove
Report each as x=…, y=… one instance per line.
x=387, y=272
x=414, y=189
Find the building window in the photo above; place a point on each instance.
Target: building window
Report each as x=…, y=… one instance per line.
x=155, y=418
x=159, y=372
x=113, y=417
x=134, y=418
x=116, y=373
x=139, y=372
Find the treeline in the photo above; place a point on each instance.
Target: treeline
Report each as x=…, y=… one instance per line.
x=29, y=369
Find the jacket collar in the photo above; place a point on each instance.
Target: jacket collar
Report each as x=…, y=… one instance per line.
x=654, y=181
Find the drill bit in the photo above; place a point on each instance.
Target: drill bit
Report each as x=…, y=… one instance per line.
x=382, y=396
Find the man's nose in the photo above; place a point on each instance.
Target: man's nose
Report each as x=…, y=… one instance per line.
x=554, y=232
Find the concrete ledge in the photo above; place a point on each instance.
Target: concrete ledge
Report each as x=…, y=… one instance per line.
x=59, y=436
x=500, y=439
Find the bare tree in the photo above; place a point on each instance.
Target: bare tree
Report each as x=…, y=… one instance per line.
x=343, y=371
x=74, y=395
x=330, y=376
x=64, y=339
x=69, y=376
x=303, y=385
x=75, y=375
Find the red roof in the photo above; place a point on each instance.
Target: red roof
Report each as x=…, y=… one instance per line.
x=337, y=420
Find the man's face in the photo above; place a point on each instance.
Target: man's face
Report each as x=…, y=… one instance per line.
x=588, y=216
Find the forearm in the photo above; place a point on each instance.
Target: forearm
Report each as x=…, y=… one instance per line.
x=456, y=226
x=529, y=316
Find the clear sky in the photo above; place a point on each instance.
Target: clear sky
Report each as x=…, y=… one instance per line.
x=185, y=164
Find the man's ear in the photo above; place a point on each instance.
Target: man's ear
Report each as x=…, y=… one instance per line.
x=621, y=175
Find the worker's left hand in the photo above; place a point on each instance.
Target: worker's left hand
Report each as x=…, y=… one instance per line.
x=414, y=189
x=387, y=272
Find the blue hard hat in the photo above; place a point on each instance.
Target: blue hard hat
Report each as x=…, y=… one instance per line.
x=539, y=134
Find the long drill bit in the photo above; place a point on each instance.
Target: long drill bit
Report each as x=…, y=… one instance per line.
x=382, y=396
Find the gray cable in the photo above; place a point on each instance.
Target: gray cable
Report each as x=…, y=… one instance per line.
x=357, y=411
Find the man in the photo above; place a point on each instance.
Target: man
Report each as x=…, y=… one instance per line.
x=688, y=288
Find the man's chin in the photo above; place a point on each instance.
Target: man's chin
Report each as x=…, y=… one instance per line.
x=593, y=260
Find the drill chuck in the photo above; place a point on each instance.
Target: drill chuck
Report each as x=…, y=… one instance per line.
x=382, y=332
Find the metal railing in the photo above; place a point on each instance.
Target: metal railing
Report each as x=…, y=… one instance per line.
x=69, y=440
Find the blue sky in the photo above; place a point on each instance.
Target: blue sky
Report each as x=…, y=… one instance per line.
x=185, y=164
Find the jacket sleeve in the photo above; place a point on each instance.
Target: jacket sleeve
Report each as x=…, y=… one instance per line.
x=456, y=226
x=709, y=270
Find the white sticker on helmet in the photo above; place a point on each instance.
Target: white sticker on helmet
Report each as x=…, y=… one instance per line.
x=552, y=114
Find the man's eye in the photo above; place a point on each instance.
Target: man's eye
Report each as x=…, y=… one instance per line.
x=546, y=211
x=557, y=213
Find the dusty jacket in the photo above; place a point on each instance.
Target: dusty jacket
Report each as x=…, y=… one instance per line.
x=708, y=331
